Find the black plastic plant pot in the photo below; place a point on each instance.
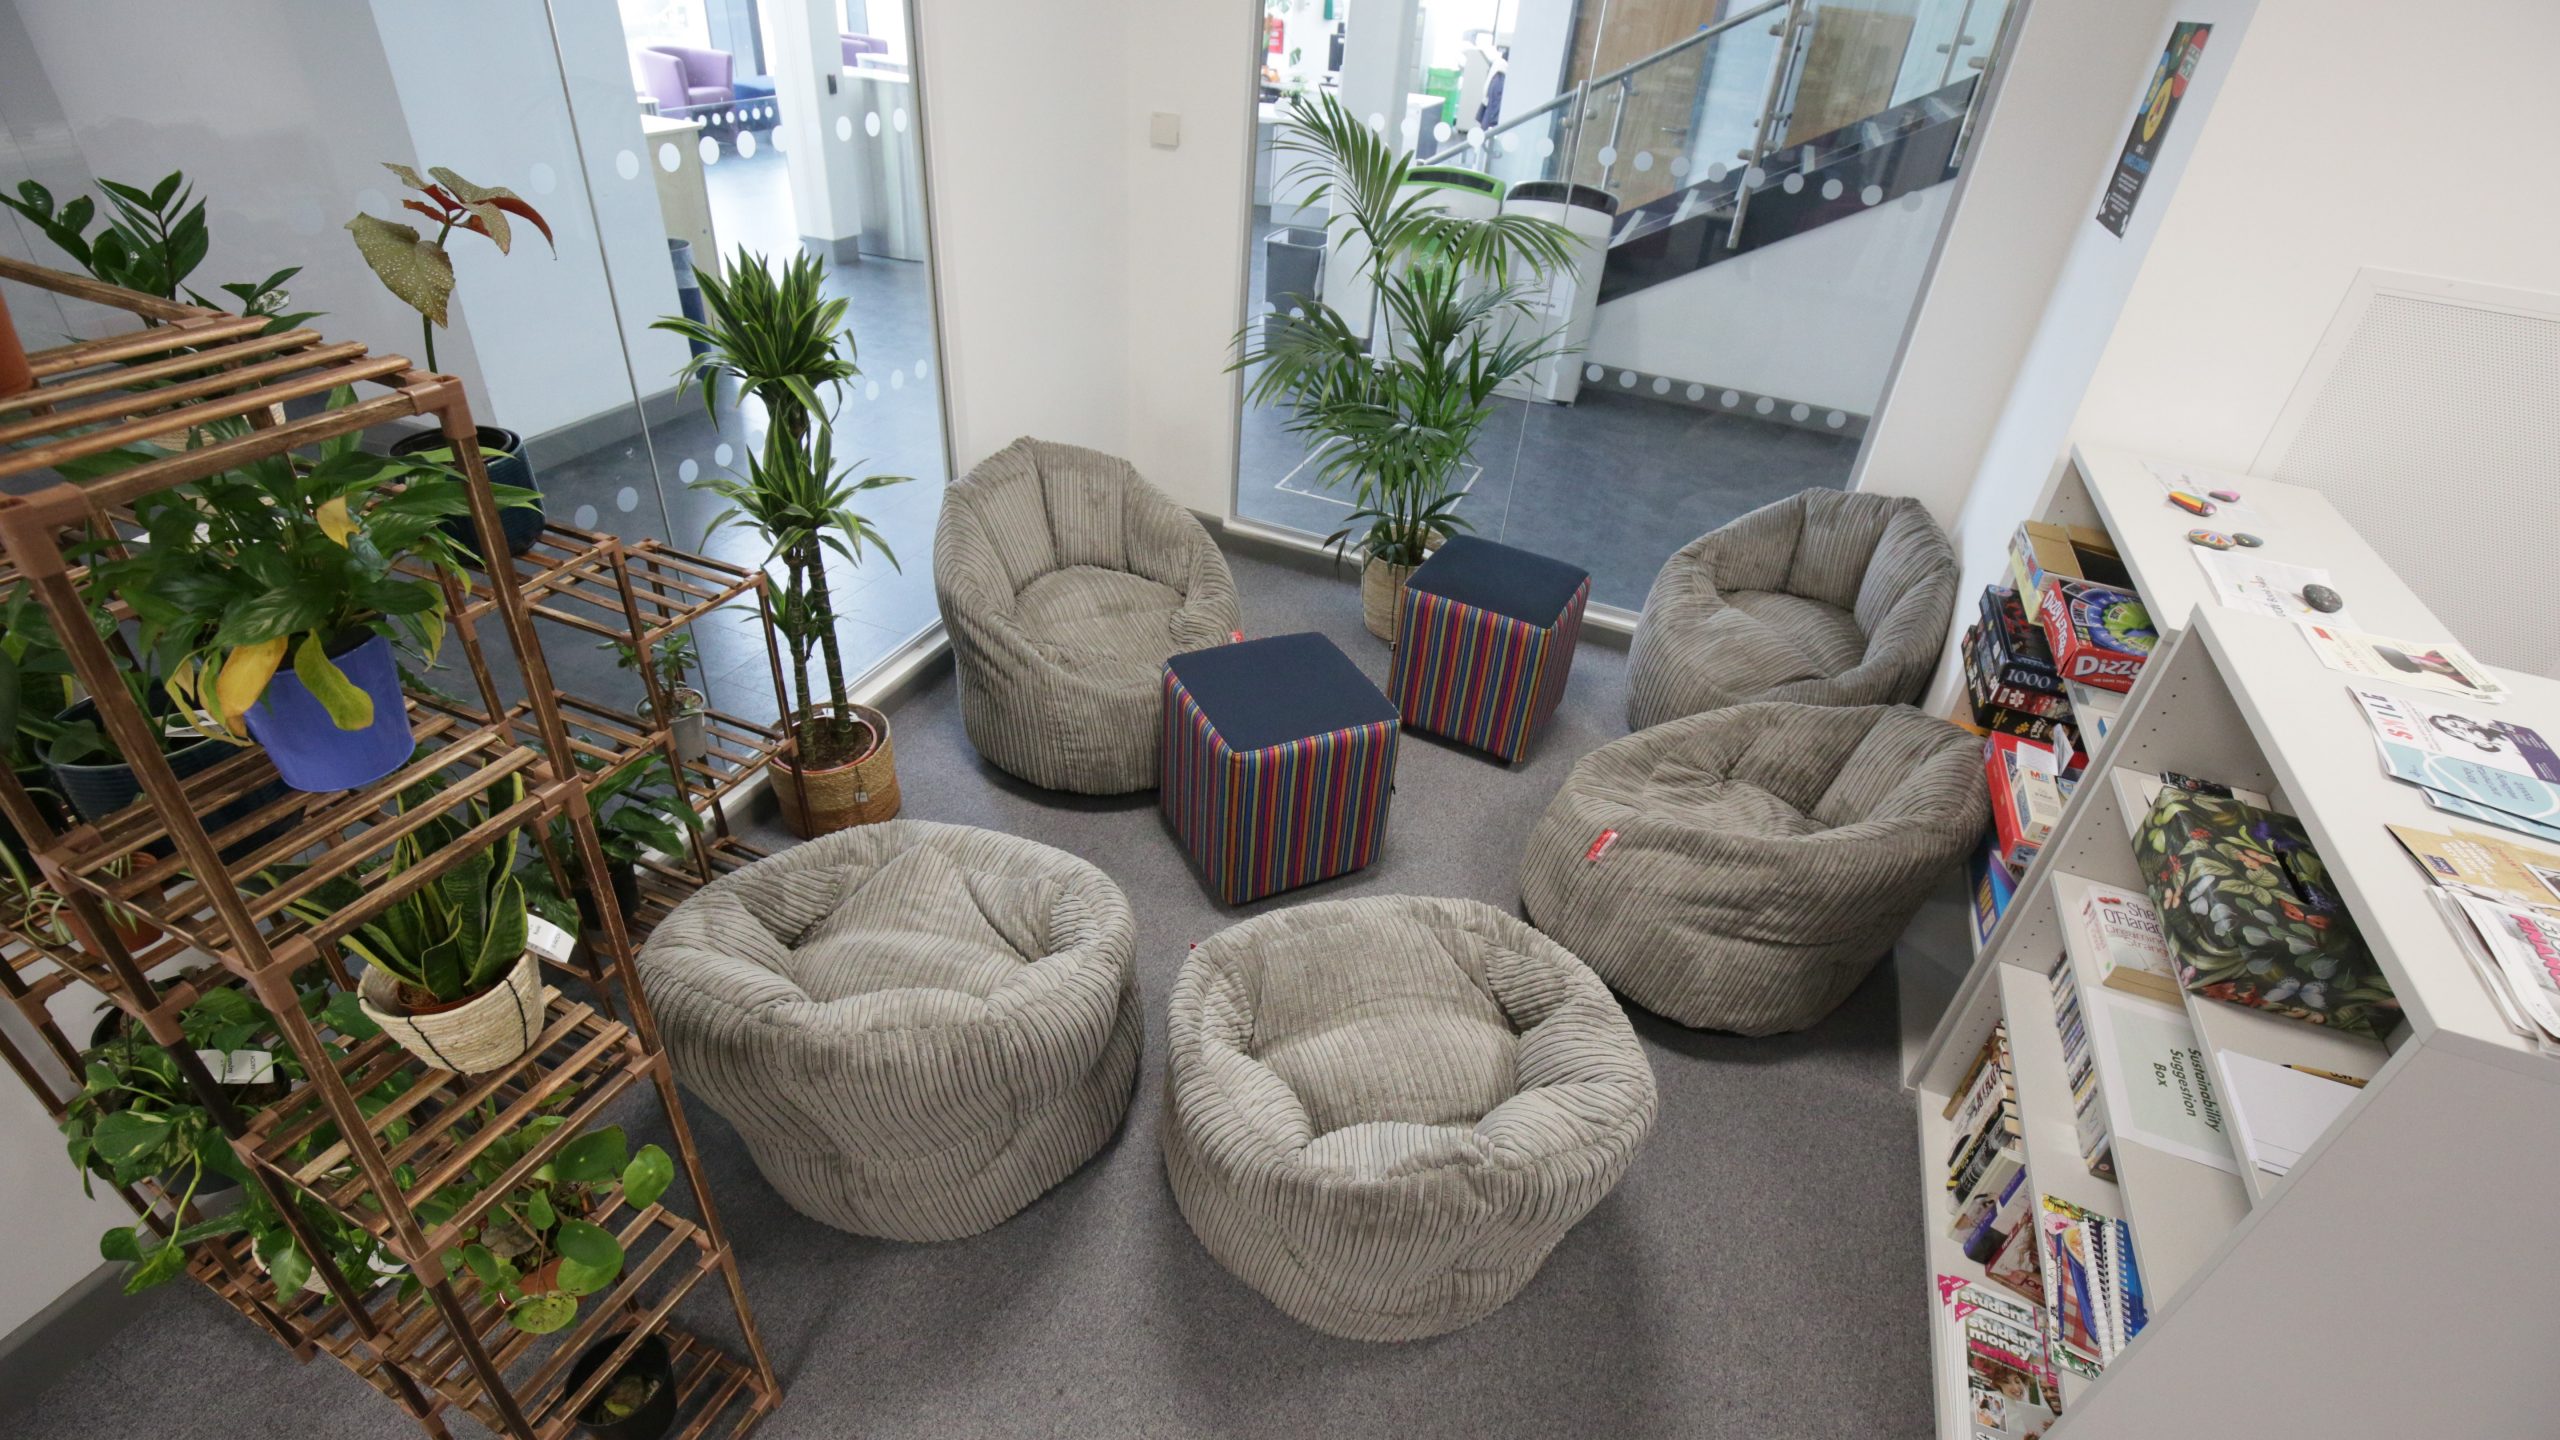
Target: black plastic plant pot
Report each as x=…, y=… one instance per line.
x=100, y=789
x=502, y=452
x=649, y=1361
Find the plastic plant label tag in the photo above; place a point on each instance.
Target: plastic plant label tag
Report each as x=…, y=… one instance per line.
x=1600, y=846
x=238, y=1067
x=548, y=940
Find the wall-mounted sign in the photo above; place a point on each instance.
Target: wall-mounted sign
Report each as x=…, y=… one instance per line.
x=2159, y=105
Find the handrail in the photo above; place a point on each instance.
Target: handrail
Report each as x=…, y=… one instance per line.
x=1567, y=97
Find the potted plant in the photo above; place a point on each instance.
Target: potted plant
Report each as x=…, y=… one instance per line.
x=784, y=342
x=420, y=272
x=269, y=598
x=539, y=1248
x=688, y=710
x=638, y=813
x=1393, y=418
x=639, y=1402
x=448, y=973
x=152, y=241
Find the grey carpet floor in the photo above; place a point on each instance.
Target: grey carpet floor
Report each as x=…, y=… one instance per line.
x=1757, y=1275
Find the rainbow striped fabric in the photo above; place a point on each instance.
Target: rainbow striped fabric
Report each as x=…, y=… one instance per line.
x=1278, y=761
x=1484, y=646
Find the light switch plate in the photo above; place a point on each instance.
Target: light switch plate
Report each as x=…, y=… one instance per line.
x=1164, y=130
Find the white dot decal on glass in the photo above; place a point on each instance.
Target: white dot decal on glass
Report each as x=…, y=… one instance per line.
x=724, y=454
x=1545, y=147
x=1754, y=176
x=870, y=389
x=626, y=500
x=898, y=117
x=308, y=218
x=1594, y=374
x=1608, y=155
x=1269, y=308
x=627, y=165
x=585, y=519
x=1716, y=171
x=1297, y=312
x=1912, y=201
x=1793, y=184
x=669, y=157
x=897, y=379
x=1797, y=413
x=1730, y=398
x=1679, y=164
x=773, y=138
x=701, y=121
x=1506, y=144
x=542, y=178
x=1764, y=404
x=372, y=201
x=1696, y=393
x=1441, y=131
x=844, y=126
x=919, y=369
x=728, y=117
x=710, y=149
x=1835, y=419
x=1377, y=122
x=870, y=124
x=1661, y=386
x=746, y=145
x=690, y=470
x=1644, y=160
x=1872, y=195
x=1831, y=189
x=1626, y=379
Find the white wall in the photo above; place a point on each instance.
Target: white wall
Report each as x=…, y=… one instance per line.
x=53, y=1241
x=2443, y=176
x=1816, y=319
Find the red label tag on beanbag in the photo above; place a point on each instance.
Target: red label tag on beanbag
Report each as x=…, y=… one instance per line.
x=1600, y=846
x=1238, y=637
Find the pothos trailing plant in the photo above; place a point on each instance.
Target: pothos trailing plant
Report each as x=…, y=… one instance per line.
x=538, y=1248
x=783, y=341
x=1393, y=402
x=420, y=271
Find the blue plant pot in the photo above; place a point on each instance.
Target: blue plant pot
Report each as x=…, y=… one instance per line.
x=308, y=748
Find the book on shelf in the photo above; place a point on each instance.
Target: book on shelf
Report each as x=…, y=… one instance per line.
x=2079, y=1062
x=1987, y=1218
x=2018, y=1264
x=1993, y=887
x=2092, y=1285
x=1983, y=1055
x=2122, y=935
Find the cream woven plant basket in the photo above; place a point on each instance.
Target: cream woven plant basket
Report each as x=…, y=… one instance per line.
x=858, y=792
x=1382, y=594
x=481, y=1034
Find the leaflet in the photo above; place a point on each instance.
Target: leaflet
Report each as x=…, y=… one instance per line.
x=2442, y=666
x=2507, y=767
x=2488, y=866
x=2248, y=580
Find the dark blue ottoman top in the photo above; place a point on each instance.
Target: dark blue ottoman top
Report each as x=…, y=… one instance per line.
x=1261, y=693
x=1501, y=578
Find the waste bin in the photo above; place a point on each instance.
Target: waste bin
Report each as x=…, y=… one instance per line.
x=688, y=289
x=1568, y=304
x=1292, y=268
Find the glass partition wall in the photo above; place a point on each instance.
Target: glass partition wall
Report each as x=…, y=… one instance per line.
x=661, y=143
x=1755, y=188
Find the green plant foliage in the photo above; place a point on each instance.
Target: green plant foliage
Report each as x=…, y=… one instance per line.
x=1393, y=413
x=419, y=271
x=458, y=936
x=778, y=335
x=153, y=240
x=548, y=1217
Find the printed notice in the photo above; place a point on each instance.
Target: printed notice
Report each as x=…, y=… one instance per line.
x=2165, y=1082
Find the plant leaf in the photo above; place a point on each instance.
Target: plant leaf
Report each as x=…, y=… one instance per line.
x=543, y=1314
x=286, y=1264
x=647, y=1176
x=417, y=271
x=349, y=707
x=591, y=1158
x=244, y=678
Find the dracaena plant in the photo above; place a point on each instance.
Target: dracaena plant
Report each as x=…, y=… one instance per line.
x=289, y=561
x=419, y=270
x=1393, y=402
x=779, y=336
x=152, y=241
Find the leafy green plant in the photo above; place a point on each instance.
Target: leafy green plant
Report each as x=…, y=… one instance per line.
x=538, y=1248
x=457, y=937
x=640, y=811
x=420, y=271
x=784, y=342
x=289, y=560
x=152, y=241
x=1394, y=404
x=671, y=660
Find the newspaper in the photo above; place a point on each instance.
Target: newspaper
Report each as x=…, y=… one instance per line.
x=2443, y=666
x=2248, y=580
x=2507, y=767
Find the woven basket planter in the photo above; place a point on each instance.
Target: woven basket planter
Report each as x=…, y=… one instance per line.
x=1382, y=593
x=481, y=1034
x=863, y=791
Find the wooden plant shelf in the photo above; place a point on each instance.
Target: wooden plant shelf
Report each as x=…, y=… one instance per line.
x=373, y=1131
x=663, y=888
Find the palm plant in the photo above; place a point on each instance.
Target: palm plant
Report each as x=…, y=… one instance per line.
x=1394, y=403
x=781, y=339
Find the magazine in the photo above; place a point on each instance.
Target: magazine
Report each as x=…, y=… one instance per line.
x=2441, y=666
x=2493, y=762
x=2474, y=810
x=2526, y=946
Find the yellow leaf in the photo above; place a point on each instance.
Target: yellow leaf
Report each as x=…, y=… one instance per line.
x=335, y=522
x=244, y=679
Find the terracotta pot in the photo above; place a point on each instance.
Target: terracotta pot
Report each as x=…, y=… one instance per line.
x=469, y=1037
x=1382, y=593
x=860, y=791
x=15, y=377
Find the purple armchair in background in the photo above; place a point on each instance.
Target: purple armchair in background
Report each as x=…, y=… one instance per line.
x=857, y=46
x=682, y=78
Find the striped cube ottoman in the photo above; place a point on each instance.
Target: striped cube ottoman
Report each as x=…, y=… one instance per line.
x=1278, y=757
x=1484, y=642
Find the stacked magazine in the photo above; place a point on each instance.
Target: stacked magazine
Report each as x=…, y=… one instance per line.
x=2092, y=1287
x=2501, y=899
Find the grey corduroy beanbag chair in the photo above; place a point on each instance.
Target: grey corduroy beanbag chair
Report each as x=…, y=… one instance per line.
x=1758, y=860
x=1383, y=1113
x=916, y=1028
x=1066, y=581
x=1823, y=598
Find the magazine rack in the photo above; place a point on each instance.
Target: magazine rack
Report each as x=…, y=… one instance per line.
x=154, y=935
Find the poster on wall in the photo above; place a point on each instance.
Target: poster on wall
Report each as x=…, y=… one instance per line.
x=2159, y=106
